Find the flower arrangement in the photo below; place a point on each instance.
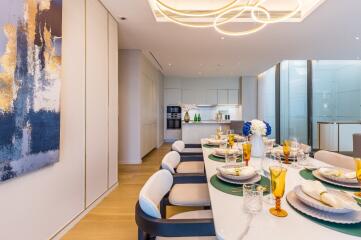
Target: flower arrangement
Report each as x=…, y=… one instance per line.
x=257, y=127
x=188, y=107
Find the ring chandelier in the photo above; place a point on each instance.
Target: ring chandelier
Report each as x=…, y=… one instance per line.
x=225, y=14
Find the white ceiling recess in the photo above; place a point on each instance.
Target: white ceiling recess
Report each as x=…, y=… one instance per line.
x=330, y=32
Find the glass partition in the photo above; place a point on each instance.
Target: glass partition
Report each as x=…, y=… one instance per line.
x=266, y=98
x=336, y=93
x=293, y=100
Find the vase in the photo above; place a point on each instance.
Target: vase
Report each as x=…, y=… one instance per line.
x=187, y=118
x=257, y=146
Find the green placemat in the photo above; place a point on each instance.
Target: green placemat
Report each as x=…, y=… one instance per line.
x=235, y=189
x=219, y=159
x=307, y=174
x=350, y=229
x=209, y=146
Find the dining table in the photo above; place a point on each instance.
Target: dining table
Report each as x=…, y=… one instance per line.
x=233, y=223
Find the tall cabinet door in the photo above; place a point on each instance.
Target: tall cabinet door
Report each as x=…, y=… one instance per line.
x=113, y=101
x=96, y=100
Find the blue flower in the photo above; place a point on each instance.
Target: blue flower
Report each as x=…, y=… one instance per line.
x=247, y=128
x=269, y=129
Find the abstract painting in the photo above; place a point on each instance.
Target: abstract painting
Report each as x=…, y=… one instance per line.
x=30, y=78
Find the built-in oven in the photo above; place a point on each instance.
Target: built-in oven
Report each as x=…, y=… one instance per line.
x=174, y=117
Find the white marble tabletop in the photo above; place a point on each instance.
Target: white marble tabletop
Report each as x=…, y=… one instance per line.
x=232, y=223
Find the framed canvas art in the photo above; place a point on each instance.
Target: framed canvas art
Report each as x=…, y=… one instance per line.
x=30, y=79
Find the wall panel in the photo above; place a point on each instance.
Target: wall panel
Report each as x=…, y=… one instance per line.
x=96, y=100
x=113, y=100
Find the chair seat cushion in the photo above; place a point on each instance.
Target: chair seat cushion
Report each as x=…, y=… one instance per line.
x=190, y=167
x=200, y=214
x=192, y=150
x=190, y=195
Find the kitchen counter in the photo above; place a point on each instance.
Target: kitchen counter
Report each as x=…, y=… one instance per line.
x=193, y=132
x=207, y=122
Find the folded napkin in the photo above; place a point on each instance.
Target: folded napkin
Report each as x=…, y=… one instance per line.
x=318, y=191
x=238, y=171
x=216, y=141
x=334, y=172
x=223, y=151
x=279, y=150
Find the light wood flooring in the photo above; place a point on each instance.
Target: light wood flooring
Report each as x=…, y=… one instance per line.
x=113, y=218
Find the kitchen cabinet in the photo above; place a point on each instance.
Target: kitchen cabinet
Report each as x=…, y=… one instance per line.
x=172, y=96
x=211, y=97
x=233, y=96
x=189, y=96
x=222, y=96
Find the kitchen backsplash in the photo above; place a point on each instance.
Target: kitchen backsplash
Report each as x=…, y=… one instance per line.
x=209, y=113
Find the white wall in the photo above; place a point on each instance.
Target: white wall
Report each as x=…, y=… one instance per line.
x=249, y=97
x=140, y=86
x=38, y=205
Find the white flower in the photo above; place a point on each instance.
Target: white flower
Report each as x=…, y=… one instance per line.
x=258, y=127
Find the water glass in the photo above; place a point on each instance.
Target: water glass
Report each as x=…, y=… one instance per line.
x=252, y=198
x=231, y=158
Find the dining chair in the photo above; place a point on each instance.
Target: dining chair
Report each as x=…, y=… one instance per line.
x=182, y=149
x=190, y=225
x=356, y=144
x=335, y=159
x=172, y=162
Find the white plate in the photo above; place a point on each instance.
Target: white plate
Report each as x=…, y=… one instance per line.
x=339, y=179
x=346, y=218
x=319, y=176
x=320, y=206
x=233, y=177
x=253, y=180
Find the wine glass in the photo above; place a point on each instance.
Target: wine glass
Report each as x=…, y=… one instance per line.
x=358, y=174
x=286, y=150
x=247, y=148
x=278, y=179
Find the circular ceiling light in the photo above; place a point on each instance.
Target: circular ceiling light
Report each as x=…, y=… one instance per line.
x=241, y=8
x=277, y=19
x=196, y=13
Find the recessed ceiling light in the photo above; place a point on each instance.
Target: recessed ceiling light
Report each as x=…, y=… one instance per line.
x=122, y=18
x=222, y=38
x=357, y=38
x=169, y=64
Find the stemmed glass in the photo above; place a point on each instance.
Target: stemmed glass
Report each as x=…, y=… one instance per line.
x=358, y=174
x=247, y=148
x=286, y=150
x=275, y=161
x=278, y=179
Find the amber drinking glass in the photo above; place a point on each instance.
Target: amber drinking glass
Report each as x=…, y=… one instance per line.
x=247, y=148
x=286, y=150
x=358, y=174
x=230, y=138
x=278, y=181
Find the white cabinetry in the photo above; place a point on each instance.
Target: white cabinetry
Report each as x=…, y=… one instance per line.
x=172, y=96
x=211, y=97
x=222, y=96
x=233, y=96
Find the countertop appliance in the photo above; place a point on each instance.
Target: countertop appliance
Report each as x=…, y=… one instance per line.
x=174, y=117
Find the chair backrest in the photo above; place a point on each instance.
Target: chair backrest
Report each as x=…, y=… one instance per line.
x=156, y=187
x=170, y=161
x=335, y=159
x=178, y=146
x=357, y=145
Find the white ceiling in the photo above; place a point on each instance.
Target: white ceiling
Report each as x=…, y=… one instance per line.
x=328, y=33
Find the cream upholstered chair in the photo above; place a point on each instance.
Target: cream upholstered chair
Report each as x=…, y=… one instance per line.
x=357, y=145
x=180, y=226
x=335, y=159
x=172, y=162
x=181, y=148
